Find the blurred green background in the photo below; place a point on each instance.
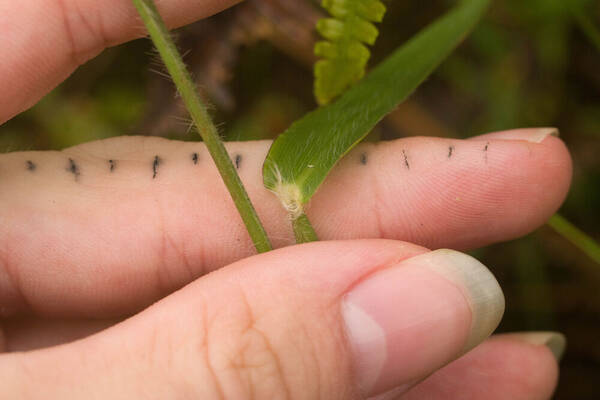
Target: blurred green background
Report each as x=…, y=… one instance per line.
x=529, y=63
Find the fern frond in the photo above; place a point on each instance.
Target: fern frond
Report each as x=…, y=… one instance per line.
x=344, y=55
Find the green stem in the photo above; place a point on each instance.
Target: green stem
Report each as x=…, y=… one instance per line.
x=587, y=26
x=577, y=237
x=303, y=230
x=187, y=89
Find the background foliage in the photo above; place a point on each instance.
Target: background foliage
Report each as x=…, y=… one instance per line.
x=533, y=63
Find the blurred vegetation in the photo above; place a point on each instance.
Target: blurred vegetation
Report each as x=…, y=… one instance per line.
x=530, y=63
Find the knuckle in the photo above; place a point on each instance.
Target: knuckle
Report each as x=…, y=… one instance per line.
x=258, y=365
x=238, y=352
x=173, y=267
x=12, y=295
x=277, y=355
x=248, y=363
x=83, y=31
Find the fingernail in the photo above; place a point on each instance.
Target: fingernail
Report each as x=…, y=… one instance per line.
x=533, y=135
x=480, y=288
x=405, y=321
x=555, y=341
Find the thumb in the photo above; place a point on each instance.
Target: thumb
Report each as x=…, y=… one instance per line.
x=332, y=320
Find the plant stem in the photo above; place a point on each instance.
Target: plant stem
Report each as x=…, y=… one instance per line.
x=207, y=130
x=303, y=230
x=587, y=26
x=574, y=235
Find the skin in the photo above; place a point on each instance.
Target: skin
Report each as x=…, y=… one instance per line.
x=86, y=243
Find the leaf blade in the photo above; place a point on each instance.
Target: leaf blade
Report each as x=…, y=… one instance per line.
x=303, y=155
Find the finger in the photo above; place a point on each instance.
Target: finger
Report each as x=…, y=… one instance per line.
x=107, y=228
x=334, y=320
x=447, y=193
x=23, y=334
x=510, y=366
x=43, y=41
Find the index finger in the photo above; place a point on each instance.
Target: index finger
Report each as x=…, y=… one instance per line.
x=107, y=228
x=44, y=41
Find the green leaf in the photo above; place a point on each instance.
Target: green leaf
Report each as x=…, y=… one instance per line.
x=344, y=55
x=300, y=158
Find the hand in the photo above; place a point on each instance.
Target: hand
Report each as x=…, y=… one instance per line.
x=101, y=231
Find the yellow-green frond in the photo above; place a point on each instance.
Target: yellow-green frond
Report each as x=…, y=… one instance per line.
x=344, y=54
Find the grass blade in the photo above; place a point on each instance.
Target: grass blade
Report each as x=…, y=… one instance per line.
x=300, y=159
x=587, y=27
x=576, y=236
